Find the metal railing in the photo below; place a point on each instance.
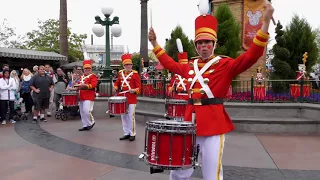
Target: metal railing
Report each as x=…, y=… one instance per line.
x=268, y=91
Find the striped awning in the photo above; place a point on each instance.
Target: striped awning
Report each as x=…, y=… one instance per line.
x=31, y=54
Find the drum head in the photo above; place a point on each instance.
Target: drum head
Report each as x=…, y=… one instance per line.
x=169, y=122
x=69, y=93
x=117, y=99
x=169, y=126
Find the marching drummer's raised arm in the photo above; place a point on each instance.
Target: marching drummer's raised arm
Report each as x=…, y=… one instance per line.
x=257, y=48
x=166, y=61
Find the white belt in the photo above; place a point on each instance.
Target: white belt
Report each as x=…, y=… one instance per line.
x=186, y=94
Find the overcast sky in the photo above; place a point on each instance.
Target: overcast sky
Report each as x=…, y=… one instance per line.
x=166, y=14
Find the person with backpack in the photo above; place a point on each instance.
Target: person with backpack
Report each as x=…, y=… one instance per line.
x=25, y=90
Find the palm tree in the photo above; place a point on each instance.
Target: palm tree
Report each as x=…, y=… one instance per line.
x=144, y=33
x=63, y=28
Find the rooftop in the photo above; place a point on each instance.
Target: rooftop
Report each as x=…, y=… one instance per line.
x=30, y=54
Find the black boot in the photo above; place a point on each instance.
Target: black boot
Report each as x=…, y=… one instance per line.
x=124, y=137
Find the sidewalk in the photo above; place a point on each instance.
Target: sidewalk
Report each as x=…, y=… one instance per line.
x=65, y=153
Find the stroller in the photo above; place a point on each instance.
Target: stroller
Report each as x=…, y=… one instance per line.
x=68, y=105
x=18, y=114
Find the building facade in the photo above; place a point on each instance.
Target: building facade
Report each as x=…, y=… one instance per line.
x=237, y=9
x=98, y=54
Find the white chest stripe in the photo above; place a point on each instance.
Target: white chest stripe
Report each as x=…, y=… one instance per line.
x=125, y=79
x=84, y=78
x=198, y=75
x=181, y=83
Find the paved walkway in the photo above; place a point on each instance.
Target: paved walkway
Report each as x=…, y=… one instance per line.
x=57, y=150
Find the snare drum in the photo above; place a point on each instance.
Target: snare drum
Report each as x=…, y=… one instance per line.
x=117, y=105
x=69, y=98
x=170, y=145
x=175, y=108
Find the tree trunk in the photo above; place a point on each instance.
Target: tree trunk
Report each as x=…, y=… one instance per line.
x=144, y=33
x=63, y=29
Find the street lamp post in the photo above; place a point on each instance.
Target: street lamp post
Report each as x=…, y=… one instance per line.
x=99, y=31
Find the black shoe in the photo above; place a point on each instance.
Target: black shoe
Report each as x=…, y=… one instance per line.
x=125, y=137
x=34, y=121
x=84, y=129
x=132, y=138
x=90, y=127
x=43, y=119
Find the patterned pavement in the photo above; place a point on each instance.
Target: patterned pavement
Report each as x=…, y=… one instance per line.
x=56, y=150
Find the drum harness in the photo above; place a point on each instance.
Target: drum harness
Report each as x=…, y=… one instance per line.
x=125, y=82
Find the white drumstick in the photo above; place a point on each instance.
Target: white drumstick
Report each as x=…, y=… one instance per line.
x=124, y=92
x=72, y=80
x=150, y=14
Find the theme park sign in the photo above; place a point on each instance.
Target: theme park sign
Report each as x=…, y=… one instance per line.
x=252, y=20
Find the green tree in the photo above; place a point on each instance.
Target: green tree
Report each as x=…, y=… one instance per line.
x=282, y=69
x=8, y=36
x=229, y=42
x=300, y=38
x=136, y=60
x=46, y=38
x=171, y=45
x=317, y=32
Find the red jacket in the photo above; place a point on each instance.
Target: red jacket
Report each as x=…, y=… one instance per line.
x=88, y=93
x=213, y=119
x=133, y=80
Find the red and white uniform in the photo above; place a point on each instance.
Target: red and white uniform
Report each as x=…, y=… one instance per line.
x=87, y=96
x=178, y=84
x=208, y=83
x=128, y=80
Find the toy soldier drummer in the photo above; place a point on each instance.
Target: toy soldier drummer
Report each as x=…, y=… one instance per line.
x=209, y=78
x=129, y=85
x=178, y=84
x=259, y=77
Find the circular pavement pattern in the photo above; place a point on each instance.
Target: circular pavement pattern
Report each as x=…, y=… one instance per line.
x=33, y=133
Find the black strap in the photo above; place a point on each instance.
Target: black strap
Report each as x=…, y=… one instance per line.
x=207, y=101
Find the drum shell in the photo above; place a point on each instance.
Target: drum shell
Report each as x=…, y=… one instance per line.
x=175, y=108
x=170, y=145
x=118, y=105
x=70, y=98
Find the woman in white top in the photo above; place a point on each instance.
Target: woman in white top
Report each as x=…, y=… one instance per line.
x=7, y=90
x=16, y=78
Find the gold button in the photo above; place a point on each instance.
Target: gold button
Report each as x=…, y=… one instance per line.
x=211, y=71
x=201, y=91
x=191, y=72
x=206, y=80
x=190, y=91
x=190, y=80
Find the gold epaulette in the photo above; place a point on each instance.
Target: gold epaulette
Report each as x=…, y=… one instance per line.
x=134, y=71
x=193, y=58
